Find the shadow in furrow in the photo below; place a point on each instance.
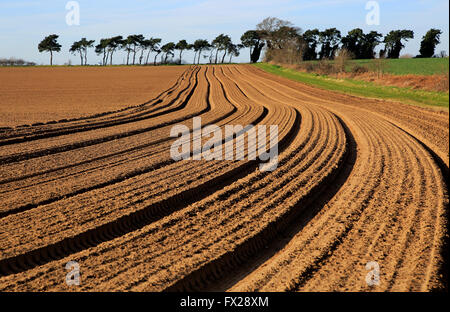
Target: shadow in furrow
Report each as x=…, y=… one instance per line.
x=17, y=137
x=136, y=220
x=68, y=147
x=221, y=274
x=126, y=176
x=444, y=267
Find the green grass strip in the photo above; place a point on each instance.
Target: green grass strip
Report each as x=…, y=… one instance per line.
x=361, y=88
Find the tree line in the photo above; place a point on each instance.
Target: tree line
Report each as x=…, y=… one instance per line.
x=138, y=49
x=15, y=62
x=278, y=39
x=282, y=39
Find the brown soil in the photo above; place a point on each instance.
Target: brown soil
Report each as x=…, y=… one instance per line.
x=33, y=95
x=418, y=82
x=358, y=180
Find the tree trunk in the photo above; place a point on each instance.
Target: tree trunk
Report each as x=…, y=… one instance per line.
x=111, y=58
x=223, y=58
x=128, y=58
x=148, y=56
x=154, y=62
x=51, y=58
x=141, y=57
x=211, y=56
x=195, y=57
x=231, y=56
x=181, y=52
x=217, y=55
x=134, y=55
x=85, y=57
x=199, y=55
x=81, y=57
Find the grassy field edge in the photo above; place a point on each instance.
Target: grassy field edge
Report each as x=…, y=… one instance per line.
x=361, y=88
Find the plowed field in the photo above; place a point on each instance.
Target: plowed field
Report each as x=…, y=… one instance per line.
x=358, y=181
x=48, y=94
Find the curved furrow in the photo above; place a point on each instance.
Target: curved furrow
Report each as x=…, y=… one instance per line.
x=299, y=259
x=81, y=188
x=26, y=150
x=23, y=130
x=177, y=286
x=201, y=278
x=83, y=153
x=403, y=250
x=430, y=126
x=357, y=181
x=392, y=198
x=338, y=273
x=421, y=114
x=228, y=218
x=284, y=135
x=142, y=165
x=232, y=173
x=122, y=116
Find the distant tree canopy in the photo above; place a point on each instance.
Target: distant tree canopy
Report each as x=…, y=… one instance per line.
x=76, y=48
x=362, y=46
x=394, y=44
x=181, y=46
x=50, y=44
x=283, y=40
x=274, y=31
x=167, y=50
x=280, y=35
x=429, y=42
x=113, y=44
x=221, y=43
x=82, y=47
x=233, y=50
x=311, y=39
x=252, y=39
x=199, y=46
x=102, y=49
x=280, y=40
x=329, y=39
x=15, y=62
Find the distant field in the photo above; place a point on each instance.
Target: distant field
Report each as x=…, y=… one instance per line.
x=361, y=88
x=414, y=66
x=425, y=66
x=42, y=94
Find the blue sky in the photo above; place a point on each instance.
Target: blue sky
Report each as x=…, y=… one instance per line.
x=24, y=23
